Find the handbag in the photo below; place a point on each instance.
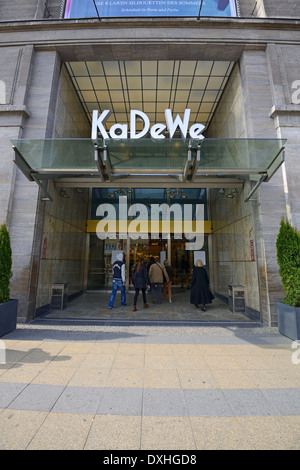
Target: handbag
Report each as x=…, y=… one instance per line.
x=164, y=277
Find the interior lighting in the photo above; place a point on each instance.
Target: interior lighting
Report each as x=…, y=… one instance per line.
x=174, y=193
x=232, y=194
x=63, y=193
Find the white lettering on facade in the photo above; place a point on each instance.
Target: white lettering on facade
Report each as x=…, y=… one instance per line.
x=2, y=92
x=98, y=122
x=120, y=131
x=2, y=352
x=296, y=94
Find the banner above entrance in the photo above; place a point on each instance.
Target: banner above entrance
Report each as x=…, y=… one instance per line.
x=116, y=159
x=142, y=8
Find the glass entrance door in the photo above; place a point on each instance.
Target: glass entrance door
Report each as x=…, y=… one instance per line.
x=101, y=255
x=168, y=245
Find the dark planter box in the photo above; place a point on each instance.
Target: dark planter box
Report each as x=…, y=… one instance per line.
x=288, y=321
x=8, y=316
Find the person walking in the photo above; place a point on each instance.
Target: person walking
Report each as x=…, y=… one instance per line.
x=200, y=290
x=151, y=261
x=118, y=281
x=139, y=281
x=157, y=274
x=168, y=284
x=184, y=267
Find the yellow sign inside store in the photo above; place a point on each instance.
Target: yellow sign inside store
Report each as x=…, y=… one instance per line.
x=146, y=226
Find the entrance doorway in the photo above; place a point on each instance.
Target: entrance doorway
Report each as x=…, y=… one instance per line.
x=170, y=243
x=226, y=252
x=101, y=255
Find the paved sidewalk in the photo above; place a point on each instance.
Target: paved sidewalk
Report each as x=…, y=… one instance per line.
x=89, y=386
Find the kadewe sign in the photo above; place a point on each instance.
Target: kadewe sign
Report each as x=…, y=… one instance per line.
x=120, y=131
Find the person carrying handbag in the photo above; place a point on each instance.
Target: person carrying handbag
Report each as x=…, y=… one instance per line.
x=157, y=275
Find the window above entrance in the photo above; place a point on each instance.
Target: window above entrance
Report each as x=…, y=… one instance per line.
x=183, y=160
x=151, y=86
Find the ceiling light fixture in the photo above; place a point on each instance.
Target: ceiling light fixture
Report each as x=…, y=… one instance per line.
x=176, y=193
x=232, y=194
x=63, y=193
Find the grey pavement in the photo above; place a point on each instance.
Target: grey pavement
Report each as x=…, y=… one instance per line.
x=96, y=385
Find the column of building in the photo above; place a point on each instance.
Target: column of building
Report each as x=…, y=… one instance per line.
x=31, y=80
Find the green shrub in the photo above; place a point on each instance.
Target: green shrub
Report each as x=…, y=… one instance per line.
x=288, y=258
x=5, y=264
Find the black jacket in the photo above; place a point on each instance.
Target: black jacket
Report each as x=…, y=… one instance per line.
x=200, y=293
x=140, y=279
x=169, y=270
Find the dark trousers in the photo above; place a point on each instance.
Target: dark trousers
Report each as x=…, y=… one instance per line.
x=137, y=291
x=156, y=286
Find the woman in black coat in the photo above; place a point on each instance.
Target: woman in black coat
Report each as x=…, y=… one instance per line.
x=200, y=291
x=140, y=281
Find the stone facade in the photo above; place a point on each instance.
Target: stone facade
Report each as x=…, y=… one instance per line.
x=232, y=219
x=64, y=231
x=261, y=100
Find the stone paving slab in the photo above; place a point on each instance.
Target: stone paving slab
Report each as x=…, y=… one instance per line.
x=89, y=386
x=94, y=306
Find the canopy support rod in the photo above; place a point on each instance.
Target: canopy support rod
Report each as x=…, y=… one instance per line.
x=46, y=196
x=196, y=164
x=106, y=160
x=261, y=179
x=28, y=168
x=277, y=162
x=98, y=163
x=187, y=162
x=30, y=175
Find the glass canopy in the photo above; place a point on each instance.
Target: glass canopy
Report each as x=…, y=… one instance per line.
x=239, y=155
x=113, y=159
x=140, y=156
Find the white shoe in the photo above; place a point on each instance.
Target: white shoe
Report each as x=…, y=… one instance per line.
x=170, y=300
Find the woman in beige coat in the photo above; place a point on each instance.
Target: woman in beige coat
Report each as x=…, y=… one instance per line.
x=157, y=275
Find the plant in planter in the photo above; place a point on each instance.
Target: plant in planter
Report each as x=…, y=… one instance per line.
x=8, y=307
x=288, y=258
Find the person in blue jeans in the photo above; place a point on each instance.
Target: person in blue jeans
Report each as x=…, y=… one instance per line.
x=118, y=281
